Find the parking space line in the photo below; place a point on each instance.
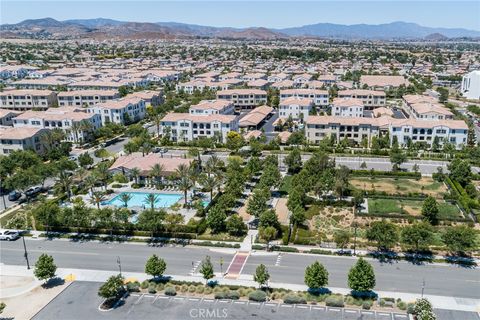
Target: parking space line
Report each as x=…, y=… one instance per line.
x=383, y=314
x=301, y=307
x=333, y=309
x=239, y=302
x=155, y=299
x=400, y=316
x=366, y=312
x=285, y=306
x=270, y=304
x=350, y=311
x=138, y=300
x=224, y=301
x=254, y=303
x=319, y=308
x=208, y=300
x=163, y=297
x=193, y=299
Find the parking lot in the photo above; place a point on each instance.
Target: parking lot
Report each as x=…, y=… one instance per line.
x=80, y=300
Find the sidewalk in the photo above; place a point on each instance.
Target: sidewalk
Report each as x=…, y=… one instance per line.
x=450, y=303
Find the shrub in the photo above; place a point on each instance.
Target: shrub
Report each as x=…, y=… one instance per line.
x=258, y=296
x=410, y=308
x=184, y=288
x=220, y=295
x=294, y=299
x=133, y=286
x=160, y=287
x=401, y=305
x=151, y=288
x=208, y=290
x=366, y=305
x=200, y=289
x=170, y=291
x=192, y=288
x=144, y=284
x=335, y=301
x=233, y=294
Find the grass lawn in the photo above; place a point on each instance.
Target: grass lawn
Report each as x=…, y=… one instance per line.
x=400, y=186
x=410, y=207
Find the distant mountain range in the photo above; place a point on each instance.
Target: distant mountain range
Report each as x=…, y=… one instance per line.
x=102, y=28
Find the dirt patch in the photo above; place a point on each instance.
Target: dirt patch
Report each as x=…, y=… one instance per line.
x=425, y=185
x=242, y=212
x=413, y=211
x=282, y=211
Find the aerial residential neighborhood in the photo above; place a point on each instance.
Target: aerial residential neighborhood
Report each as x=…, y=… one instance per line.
x=242, y=160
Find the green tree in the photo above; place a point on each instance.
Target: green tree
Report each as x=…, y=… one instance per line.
x=151, y=220
x=298, y=216
x=234, y=141
x=418, y=235
x=216, y=219
x=460, y=171
x=236, y=226
x=269, y=219
x=443, y=97
x=268, y=234
x=45, y=267
x=294, y=161
x=460, y=239
x=316, y=276
x=261, y=275
x=383, y=233
x=46, y=214
x=206, y=269
x=155, y=266
x=397, y=157
x=361, y=276
x=430, y=210
x=257, y=203
x=112, y=288
x=341, y=238
x=85, y=160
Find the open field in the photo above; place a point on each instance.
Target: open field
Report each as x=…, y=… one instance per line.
x=410, y=207
x=400, y=186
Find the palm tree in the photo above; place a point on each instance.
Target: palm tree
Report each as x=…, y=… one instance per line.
x=65, y=182
x=151, y=199
x=135, y=172
x=214, y=163
x=156, y=172
x=209, y=183
x=157, y=119
x=90, y=181
x=75, y=128
x=97, y=198
x=102, y=173
x=184, y=179
x=125, y=197
x=146, y=148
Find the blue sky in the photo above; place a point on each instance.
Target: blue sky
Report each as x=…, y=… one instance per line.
x=247, y=13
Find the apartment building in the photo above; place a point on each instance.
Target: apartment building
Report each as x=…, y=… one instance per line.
x=357, y=129
x=77, y=123
x=296, y=108
x=188, y=127
x=208, y=107
x=151, y=98
x=320, y=97
x=244, y=98
x=371, y=98
x=12, y=139
x=85, y=97
x=22, y=100
x=347, y=107
x=120, y=111
x=382, y=82
x=471, y=85
x=426, y=108
x=6, y=117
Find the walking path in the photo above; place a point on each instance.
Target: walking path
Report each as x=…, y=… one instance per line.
x=450, y=303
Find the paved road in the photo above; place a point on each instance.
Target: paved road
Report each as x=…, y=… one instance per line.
x=399, y=276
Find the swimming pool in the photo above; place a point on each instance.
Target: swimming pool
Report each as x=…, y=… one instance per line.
x=138, y=199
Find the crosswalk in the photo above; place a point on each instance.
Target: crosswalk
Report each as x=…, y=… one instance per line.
x=195, y=265
x=279, y=259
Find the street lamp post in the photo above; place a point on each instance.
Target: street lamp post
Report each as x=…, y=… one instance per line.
x=423, y=286
x=221, y=266
x=119, y=265
x=355, y=241
x=25, y=254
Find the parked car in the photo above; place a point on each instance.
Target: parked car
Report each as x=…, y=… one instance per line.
x=14, y=196
x=33, y=191
x=9, y=235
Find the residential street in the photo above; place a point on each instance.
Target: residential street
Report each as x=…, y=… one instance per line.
x=443, y=280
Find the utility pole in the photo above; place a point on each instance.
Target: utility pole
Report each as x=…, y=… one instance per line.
x=25, y=254
x=221, y=265
x=3, y=196
x=119, y=265
x=423, y=286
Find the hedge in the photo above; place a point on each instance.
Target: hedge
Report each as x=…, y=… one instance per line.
x=334, y=301
x=294, y=299
x=258, y=296
x=390, y=174
x=284, y=249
